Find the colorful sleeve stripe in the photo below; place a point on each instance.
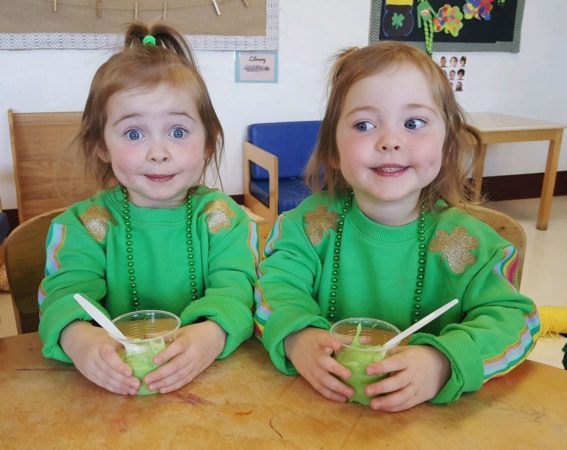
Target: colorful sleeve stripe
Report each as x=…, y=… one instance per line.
x=54, y=244
x=274, y=236
x=507, y=267
x=262, y=313
x=253, y=241
x=515, y=353
x=41, y=294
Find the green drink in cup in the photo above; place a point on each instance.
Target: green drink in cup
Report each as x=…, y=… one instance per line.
x=362, y=339
x=148, y=332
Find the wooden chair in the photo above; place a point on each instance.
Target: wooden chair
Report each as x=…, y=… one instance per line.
x=25, y=267
x=507, y=227
x=48, y=170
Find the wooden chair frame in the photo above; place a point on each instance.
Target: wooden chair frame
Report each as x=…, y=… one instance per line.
x=25, y=267
x=269, y=162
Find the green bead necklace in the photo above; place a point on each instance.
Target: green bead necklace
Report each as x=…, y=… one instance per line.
x=130, y=251
x=416, y=313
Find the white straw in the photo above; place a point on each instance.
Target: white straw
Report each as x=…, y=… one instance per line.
x=419, y=324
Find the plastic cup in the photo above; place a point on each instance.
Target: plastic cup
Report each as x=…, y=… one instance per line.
x=362, y=339
x=148, y=332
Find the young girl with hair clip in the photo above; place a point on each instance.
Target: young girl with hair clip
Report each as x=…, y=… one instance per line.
x=387, y=237
x=156, y=237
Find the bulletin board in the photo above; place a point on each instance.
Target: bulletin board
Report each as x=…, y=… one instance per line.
x=454, y=25
x=92, y=24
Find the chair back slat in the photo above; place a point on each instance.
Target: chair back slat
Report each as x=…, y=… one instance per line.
x=48, y=169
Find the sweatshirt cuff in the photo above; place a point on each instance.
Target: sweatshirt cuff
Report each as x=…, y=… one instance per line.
x=54, y=320
x=234, y=318
x=465, y=360
x=280, y=325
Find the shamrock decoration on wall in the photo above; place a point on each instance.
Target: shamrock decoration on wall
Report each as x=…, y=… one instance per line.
x=397, y=19
x=449, y=18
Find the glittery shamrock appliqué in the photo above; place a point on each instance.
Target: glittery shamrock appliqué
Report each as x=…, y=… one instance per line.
x=219, y=215
x=96, y=219
x=455, y=248
x=319, y=221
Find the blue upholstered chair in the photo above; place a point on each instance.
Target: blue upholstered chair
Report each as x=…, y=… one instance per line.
x=275, y=156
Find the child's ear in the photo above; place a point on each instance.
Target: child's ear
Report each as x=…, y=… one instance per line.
x=102, y=153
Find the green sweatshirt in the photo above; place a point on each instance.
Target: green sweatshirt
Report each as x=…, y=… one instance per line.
x=490, y=331
x=87, y=253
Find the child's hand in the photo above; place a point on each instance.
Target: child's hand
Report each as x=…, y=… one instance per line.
x=194, y=349
x=417, y=374
x=95, y=355
x=310, y=350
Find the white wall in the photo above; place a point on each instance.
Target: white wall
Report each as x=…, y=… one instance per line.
x=529, y=83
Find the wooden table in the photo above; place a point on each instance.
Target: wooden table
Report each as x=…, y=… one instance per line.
x=500, y=128
x=243, y=402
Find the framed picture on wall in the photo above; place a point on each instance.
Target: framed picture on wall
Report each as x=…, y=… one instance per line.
x=449, y=25
x=256, y=67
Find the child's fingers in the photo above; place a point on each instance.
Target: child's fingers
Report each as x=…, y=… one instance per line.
x=162, y=372
x=119, y=387
x=329, y=389
x=329, y=371
x=170, y=387
x=332, y=366
x=173, y=381
x=396, y=382
x=118, y=376
x=112, y=359
x=106, y=377
x=332, y=395
x=329, y=344
x=176, y=347
x=393, y=363
x=396, y=401
x=171, y=376
x=336, y=385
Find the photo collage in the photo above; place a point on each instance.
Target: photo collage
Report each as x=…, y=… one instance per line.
x=455, y=70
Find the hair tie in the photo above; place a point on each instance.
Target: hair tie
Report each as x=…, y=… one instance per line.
x=149, y=40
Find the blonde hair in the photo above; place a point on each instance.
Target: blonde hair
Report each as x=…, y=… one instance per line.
x=354, y=64
x=139, y=66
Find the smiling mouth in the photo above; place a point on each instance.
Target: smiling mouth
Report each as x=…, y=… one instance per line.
x=391, y=171
x=159, y=178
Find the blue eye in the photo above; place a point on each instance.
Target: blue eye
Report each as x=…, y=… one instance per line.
x=414, y=124
x=178, y=133
x=134, y=135
x=364, y=126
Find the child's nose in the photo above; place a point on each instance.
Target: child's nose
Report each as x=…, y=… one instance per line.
x=389, y=146
x=388, y=141
x=159, y=158
x=159, y=153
